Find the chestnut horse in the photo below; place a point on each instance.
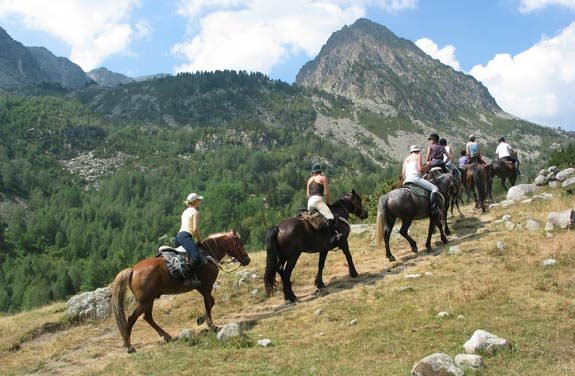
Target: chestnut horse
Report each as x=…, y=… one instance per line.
x=149, y=279
x=292, y=236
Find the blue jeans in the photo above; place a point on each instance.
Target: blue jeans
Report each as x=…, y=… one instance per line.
x=185, y=239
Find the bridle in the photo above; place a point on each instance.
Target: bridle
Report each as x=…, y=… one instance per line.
x=219, y=262
x=356, y=207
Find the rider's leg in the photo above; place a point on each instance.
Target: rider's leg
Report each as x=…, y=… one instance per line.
x=185, y=239
x=433, y=197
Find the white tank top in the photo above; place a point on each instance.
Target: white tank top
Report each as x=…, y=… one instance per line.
x=187, y=220
x=411, y=169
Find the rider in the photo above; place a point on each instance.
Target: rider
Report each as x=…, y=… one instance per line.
x=189, y=229
x=317, y=192
x=436, y=153
x=463, y=160
x=473, y=151
x=505, y=151
x=412, y=173
x=448, y=151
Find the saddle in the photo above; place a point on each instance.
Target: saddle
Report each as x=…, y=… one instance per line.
x=314, y=218
x=510, y=165
x=416, y=190
x=177, y=262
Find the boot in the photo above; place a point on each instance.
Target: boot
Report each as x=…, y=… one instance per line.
x=434, y=200
x=334, y=234
x=191, y=280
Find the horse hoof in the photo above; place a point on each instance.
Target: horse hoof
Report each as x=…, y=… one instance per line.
x=168, y=338
x=320, y=285
x=200, y=320
x=354, y=275
x=392, y=258
x=131, y=350
x=444, y=240
x=414, y=250
x=429, y=250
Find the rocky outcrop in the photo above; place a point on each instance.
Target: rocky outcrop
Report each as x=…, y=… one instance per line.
x=18, y=67
x=107, y=78
x=435, y=365
x=90, y=305
x=483, y=341
x=60, y=69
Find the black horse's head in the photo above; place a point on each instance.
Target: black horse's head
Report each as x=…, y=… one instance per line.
x=356, y=206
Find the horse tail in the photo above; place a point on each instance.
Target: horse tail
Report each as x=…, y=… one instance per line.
x=271, y=260
x=118, y=295
x=380, y=221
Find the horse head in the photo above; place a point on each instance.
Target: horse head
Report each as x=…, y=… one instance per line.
x=356, y=204
x=237, y=251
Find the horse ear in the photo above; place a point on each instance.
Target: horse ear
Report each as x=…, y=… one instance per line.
x=353, y=192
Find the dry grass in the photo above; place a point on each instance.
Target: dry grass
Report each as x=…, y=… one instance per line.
x=507, y=293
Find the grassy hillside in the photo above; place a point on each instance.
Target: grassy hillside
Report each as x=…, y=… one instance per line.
x=506, y=292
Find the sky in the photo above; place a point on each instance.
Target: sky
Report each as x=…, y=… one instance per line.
x=523, y=51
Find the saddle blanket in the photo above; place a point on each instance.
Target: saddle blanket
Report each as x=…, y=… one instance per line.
x=177, y=261
x=315, y=219
x=417, y=190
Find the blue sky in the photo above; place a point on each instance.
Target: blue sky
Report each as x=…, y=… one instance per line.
x=522, y=50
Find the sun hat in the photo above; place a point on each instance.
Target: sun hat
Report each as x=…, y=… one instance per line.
x=193, y=197
x=316, y=168
x=413, y=148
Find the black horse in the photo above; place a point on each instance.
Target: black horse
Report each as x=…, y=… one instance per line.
x=292, y=236
x=403, y=203
x=505, y=171
x=479, y=182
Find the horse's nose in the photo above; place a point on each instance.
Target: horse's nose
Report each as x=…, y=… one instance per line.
x=245, y=261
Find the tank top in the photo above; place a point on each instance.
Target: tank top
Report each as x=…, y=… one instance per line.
x=315, y=189
x=473, y=149
x=187, y=220
x=437, y=152
x=411, y=169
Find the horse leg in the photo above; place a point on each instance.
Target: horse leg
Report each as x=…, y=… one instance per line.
x=405, y=224
x=209, y=303
x=389, y=222
x=137, y=312
x=345, y=248
x=318, y=278
x=286, y=277
x=445, y=225
x=150, y=320
x=434, y=221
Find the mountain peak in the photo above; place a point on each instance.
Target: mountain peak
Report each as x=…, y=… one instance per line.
x=368, y=62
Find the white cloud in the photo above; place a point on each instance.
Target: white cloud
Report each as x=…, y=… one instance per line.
x=255, y=35
x=537, y=84
x=526, y=6
x=446, y=54
x=93, y=29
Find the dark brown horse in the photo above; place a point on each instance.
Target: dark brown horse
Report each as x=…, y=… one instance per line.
x=504, y=170
x=149, y=279
x=292, y=236
x=402, y=203
x=478, y=181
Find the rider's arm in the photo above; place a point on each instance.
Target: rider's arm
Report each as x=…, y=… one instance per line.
x=420, y=164
x=428, y=154
x=325, y=190
x=196, y=226
x=307, y=188
x=446, y=152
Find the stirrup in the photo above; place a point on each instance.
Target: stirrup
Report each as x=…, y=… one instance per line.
x=191, y=283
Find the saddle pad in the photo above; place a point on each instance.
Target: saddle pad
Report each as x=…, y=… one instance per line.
x=417, y=190
x=177, y=262
x=315, y=219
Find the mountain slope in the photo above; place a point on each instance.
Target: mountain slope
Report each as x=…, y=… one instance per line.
x=366, y=61
x=107, y=78
x=60, y=69
x=18, y=67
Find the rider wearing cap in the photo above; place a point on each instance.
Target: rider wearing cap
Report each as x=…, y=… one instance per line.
x=317, y=192
x=436, y=153
x=505, y=151
x=190, y=228
x=412, y=173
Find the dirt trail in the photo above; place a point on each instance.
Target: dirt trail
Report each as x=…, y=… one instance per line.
x=90, y=347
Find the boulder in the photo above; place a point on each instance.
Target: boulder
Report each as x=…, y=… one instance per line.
x=186, y=334
x=510, y=225
x=569, y=183
x=443, y=314
x=507, y=203
x=553, y=169
x=564, y=174
x=435, y=365
x=543, y=173
x=551, y=176
x=229, y=331
x=264, y=342
x=472, y=361
x=91, y=304
x=548, y=226
x=564, y=219
x=549, y=262
x=500, y=246
x=553, y=184
x=506, y=217
x=482, y=341
x=520, y=192
x=532, y=225
x=541, y=180
x=454, y=250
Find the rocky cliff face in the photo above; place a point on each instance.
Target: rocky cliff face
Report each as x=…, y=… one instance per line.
x=18, y=67
x=107, y=78
x=370, y=65
x=59, y=69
